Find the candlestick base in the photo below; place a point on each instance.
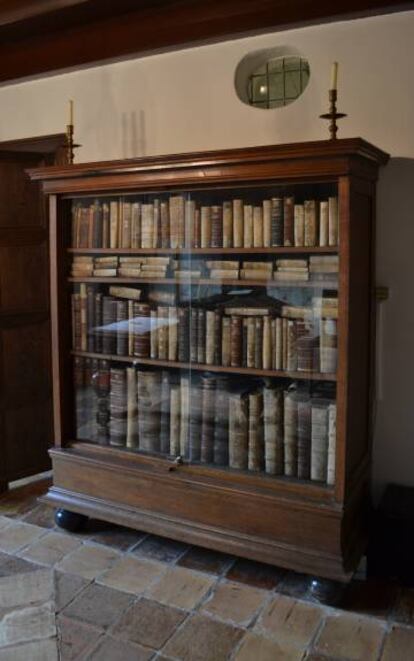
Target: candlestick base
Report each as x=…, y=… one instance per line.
x=70, y=144
x=333, y=115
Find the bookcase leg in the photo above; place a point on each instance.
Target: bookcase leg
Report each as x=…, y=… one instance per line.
x=71, y=521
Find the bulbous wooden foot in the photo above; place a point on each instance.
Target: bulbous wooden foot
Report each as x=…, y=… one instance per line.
x=70, y=521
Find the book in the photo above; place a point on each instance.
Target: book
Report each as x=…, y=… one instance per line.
x=310, y=223
x=184, y=416
x=304, y=436
x=177, y=221
x=319, y=439
x=175, y=408
x=323, y=223
x=195, y=422
x=165, y=413
x=136, y=225
x=238, y=231
x=273, y=430
x=132, y=409
x=147, y=225
x=236, y=336
x=118, y=409
x=205, y=220
x=248, y=226
x=267, y=224
x=121, y=328
x=216, y=226
x=290, y=433
x=328, y=346
x=238, y=430
x=299, y=225
x=125, y=292
x=255, y=459
x=208, y=401
x=227, y=224
x=210, y=337
x=257, y=227
x=149, y=418
x=221, y=422
x=165, y=224
x=330, y=473
x=289, y=221
x=172, y=333
x=333, y=221
x=276, y=210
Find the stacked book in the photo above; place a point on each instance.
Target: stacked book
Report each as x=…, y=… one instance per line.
x=261, y=428
x=177, y=222
x=324, y=267
x=124, y=267
x=228, y=269
x=291, y=270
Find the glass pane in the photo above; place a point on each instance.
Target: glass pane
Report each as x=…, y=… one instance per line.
x=276, y=88
x=198, y=333
x=259, y=88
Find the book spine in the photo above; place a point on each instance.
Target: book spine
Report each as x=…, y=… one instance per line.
x=175, y=407
x=113, y=223
x=328, y=346
x=276, y=221
x=333, y=222
x=310, y=223
x=289, y=221
x=132, y=409
x=142, y=333
x=236, y=341
x=221, y=423
x=195, y=422
x=299, y=225
x=216, y=226
x=267, y=224
x=98, y=322
x=184, y=416
x=165, y=413
x=190, y=208
x=255, y=442
x=238, y=232
x=205, y=227
x=118, y=407
x=121, y=328
x=279, y=344
x=90, y=315
x=319, y=442
x=304, y=438
x=227, y=224
x=267, y=344
x=210, y=339
x=149, y=398
x=193, y=335
x=273, y=431
x=165, y=224
x=217, y=337
x=238, y=431
x=290, y=434
x=83, y=317
x=201, y=336
x=323, y=223
x=102, y=391
x=330, y=477
x=208, y=398
x=154, y=334
x=226, y=342
x=147, y=225
x=156, y=229
x=136, y=225
x=172, y=333
x=183, y=334
x=292, y=355
x=258, y=342
x=248, y=226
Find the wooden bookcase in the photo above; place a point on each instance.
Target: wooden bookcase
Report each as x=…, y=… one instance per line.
x=241, y=432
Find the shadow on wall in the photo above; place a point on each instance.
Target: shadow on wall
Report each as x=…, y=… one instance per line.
x=393, y=451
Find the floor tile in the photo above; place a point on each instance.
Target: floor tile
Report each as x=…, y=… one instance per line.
x=403, y=610
x=148, y=623
x=132, y=574
x=10, y=564
x=116, y=537
x=98, y=605
x=399, y=644
x=88, y=561
x=235, y=602
x=26, y=588
x=350, y=636
x=66, y=587
x=203, y=639
x=205, y=560
x=50, y=548
x=181, y=587
x=18, y=535
x=258, y=648
x=75, y=638
x=256, y=574
x=109, y=649
x=370, y=597
x=160, y=548
x=291, y=622
x=41, y=515
x=4, y=522
x=39, y=650
x=27, y=624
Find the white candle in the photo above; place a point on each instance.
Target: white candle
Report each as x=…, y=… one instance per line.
x=334, y=76
x=71, y=112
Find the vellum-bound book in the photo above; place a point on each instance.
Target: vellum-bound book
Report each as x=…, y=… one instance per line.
x=238, y=430
x=319, y=442
x=208, y=401
x=291, y=433
x=273, y=430
x=255, y=443
x=330, y=477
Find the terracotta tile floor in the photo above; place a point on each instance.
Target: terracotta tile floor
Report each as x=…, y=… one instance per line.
x=109, y=594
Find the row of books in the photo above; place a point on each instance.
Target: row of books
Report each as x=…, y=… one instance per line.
x=178, y=222
x=262, y=427
x=298, y=338
x=317, y=267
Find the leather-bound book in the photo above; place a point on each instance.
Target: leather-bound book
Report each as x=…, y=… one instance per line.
x=210, y=339
x=273, y=430
x=136, y=225
x=102, y=392
x=251, y=338
x=201, y=336
x=190, y=209
x=154, y=334
x=208, y=401
x=105, y=226
x=98, y=322
x=276, y=221
x=217, y=337
x=278, y=344
x=226, y=342
x=238, y=430
x=333, y=222
x=205, y=227
x=183, y=334
x=197, y=229
x=319, y=439
x=267, y=224
x=83, y=317
x=193, y=335
x=76, y=321
x=330, y=476
x=290, y=433
x=285, y=331
x=238, y=232
x=97, y=232
x=113, y=223
x=165, y=224
x=122, y=328
x=147, y=225
x=177, y=221
x=258, y=342
x=304, y=436
x=310, y=223
x=84, y=224
x=216, y=226
x=227, y=224
x=236, y=341
x=132, y=409
x=221, y=422
x=299, y=225
x=245, y=342
x=256, y=440
x=323, y=223
x=108, y=323
x=165, y=413
x=258, y=227
x=163, y=315
x=289, y=221
x=184, y=416
x=328, y=351
x=195, y=421
x=267, y=361
x=142, y=333
x=118, y=407
x=149, y=409
x=156, y=229
x=248, y=226
x=292, y=355
x=172, y=333
x=126, y=224
x=175, y=409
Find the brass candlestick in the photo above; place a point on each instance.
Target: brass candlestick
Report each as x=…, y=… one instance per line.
x=333, y=115
x=70, y=144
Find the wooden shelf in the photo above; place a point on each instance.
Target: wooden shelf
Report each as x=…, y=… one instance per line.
x=283, y=250
x=210, y=282
x=247, y=371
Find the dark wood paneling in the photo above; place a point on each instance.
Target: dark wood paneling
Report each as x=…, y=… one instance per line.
x=64, y=34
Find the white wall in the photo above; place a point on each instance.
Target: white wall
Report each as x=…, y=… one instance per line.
x=185, y=101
